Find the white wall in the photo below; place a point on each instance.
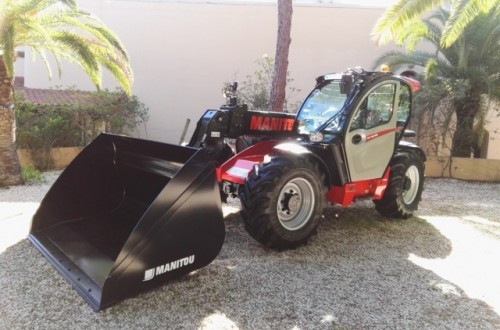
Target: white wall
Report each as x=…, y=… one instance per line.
x=493, y=128
x=181, y=53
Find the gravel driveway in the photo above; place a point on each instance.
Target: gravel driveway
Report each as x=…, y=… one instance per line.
x=439, y=270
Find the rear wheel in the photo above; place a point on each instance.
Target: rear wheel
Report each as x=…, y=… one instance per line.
x=404, y=190
x=283, y=202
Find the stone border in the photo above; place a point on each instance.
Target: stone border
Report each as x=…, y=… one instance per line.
x=475, y=169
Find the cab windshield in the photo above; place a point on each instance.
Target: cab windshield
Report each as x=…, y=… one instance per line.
x=323, y=105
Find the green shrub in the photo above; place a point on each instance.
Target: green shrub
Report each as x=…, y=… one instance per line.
x=255, y=91
x=30, y=174
x=42, y=127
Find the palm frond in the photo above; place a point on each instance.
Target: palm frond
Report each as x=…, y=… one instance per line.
x=41, y=53
x=491, y=38
x=396, y=59
x=60, y=28
x=433, y=33
x=70, y=4
x=110, y=38
x=8, y=47
x=95, y=28
x=412, y=34
x=116, y=63
x=397, y=16
x=122, y=75
x=81, y=51
x=462, y=13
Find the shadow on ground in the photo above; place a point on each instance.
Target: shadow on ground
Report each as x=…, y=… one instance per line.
x=355, y=273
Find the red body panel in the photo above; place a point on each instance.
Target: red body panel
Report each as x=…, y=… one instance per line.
x=237, y=168
x=348, y=193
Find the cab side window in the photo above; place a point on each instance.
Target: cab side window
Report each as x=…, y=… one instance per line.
x=404, y=105
x=376, y=109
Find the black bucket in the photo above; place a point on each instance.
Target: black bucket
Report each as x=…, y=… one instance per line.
x=127, y=215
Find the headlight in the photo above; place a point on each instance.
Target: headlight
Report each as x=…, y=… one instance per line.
x=316, y=137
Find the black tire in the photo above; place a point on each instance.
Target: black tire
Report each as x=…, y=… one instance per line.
x=283, y=202
x=404, y=189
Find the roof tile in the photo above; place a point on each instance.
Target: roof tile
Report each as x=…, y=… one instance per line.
x=54, y=96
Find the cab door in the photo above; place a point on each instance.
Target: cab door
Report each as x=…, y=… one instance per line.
x=372, y=132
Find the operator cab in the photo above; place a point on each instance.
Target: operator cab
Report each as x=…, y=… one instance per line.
x=360, y=116
x=355, y=100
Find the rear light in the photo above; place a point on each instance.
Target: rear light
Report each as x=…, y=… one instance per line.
x=415, y=85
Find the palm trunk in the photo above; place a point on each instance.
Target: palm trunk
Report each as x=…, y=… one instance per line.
x=466, y=110
x=10, y=169
x=278, y=88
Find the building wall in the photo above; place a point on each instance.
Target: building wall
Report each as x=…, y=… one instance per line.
x=182, y=53
x=493, y=129
x=430, y=138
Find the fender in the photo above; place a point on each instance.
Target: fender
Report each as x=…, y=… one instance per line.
x=409, y=147
x=295, y=149
x=237, y=168
x=291, y=148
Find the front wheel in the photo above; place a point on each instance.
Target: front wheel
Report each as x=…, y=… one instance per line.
x=283, y=202
x=404, y=188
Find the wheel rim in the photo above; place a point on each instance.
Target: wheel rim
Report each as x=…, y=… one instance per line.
x=295, y=204
x=410, y=184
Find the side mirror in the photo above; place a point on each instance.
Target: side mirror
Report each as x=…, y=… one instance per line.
x=346, y=83
x=409, y=133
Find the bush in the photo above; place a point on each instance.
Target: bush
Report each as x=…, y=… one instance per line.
x=30, y=174
x=255, y=91
x=42, y=127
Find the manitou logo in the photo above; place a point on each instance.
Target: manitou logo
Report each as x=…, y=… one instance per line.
x=260, y=123
x=168, y=267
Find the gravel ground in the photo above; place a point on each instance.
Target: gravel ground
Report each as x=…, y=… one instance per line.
x=438, y=270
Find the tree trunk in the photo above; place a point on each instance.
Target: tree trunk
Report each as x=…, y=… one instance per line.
x=10, y=169
x=278, y=87
x=466, y=110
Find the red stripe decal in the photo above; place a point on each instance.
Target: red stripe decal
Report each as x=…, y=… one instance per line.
x=381, y=133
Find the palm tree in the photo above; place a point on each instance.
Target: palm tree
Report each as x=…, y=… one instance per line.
x=462, y=73
x=401, y=17
x=60, y=28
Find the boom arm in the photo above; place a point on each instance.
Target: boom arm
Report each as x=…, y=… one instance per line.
x=233, y=121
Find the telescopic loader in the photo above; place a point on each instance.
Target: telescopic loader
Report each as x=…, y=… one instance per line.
x=128, y=214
